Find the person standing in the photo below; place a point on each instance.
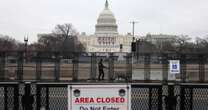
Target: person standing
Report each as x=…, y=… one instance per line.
x=101, y=71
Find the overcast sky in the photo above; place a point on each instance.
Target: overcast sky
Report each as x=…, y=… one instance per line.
x=21, y=17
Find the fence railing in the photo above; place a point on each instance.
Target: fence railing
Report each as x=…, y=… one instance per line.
x=144, y=96
x=58, y=66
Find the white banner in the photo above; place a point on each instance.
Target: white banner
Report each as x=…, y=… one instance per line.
x=99, y=97
x=174, y=66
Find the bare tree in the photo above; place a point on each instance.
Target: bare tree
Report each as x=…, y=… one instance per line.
x=7, y=43
x=48, y=42
x=68, y=34
x=201, y=44
x=184, y=44
x=62, y=38
x=65, y=30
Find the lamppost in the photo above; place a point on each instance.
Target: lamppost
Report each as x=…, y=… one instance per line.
x=133, y=46
x=25, y=51
x=133, y=28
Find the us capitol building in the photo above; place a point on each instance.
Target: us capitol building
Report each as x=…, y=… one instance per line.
x=106, y=37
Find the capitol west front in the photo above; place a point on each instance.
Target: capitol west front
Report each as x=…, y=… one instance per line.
x=106, y=37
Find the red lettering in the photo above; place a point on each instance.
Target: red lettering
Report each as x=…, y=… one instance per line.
x=110, y=100
x=107, y=100
x=91, y=100
x=122, y=100
x=98, y=100
x=84, y=100
x=117, y=100
x=77, y=100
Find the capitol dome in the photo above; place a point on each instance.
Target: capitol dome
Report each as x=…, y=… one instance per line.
x=106, y=22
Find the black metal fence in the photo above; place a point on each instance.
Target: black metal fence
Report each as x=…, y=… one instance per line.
x=55, y=66
x=144, y=96
x=153, y=88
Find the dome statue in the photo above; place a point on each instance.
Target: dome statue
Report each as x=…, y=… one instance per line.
x=106, y=22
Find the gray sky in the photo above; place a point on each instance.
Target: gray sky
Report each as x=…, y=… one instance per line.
x=21, y=17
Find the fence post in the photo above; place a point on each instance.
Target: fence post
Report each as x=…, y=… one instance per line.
x=75, y=67
x=47, y=98
x=38, y=97
x=129, y=63
x=182, y=97
x=2, y=65
x=20, y=66
x=93, y=66
x=147, y=58
x=150, y=99
x=160, y=93
x=38, y=66
x=183, y=67
x=57, y=67
x=171, y=106
x=165, y=67
x=16, y=97
x=6, y=97
x=111, y=67
x=201, y=62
